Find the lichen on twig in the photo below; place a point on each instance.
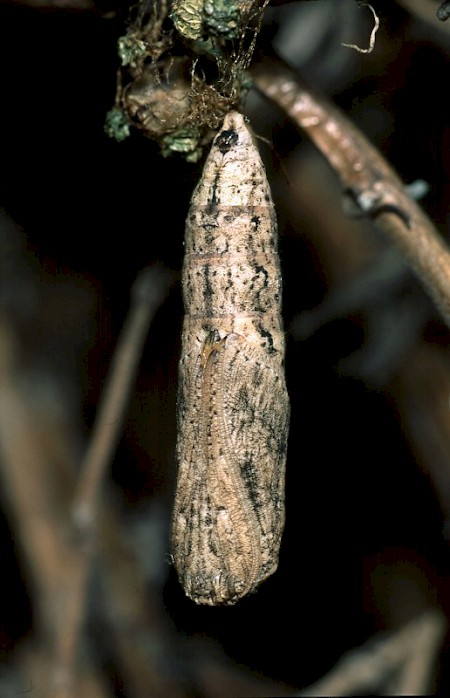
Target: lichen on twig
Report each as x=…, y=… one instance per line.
x=183, y=68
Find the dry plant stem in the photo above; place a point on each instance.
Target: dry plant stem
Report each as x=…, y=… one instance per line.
x=65, y=682
x=37, y=446
x=36, y=473
x=147, y=294
x=134, y=616
x=402, y=663
x=365, y=177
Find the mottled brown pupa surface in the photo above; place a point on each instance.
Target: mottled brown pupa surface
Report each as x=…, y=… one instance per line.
x=233, y=407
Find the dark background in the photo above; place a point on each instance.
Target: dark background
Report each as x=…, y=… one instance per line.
x=362, y=511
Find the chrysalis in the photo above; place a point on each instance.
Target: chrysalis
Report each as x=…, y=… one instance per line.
x=233, y=407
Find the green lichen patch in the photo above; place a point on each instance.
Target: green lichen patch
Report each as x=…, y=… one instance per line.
x=131, y=50
x=185, y=141
x=116, y=125
x=222, y=18
x=183, y=68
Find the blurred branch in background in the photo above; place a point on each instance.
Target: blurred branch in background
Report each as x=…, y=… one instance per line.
x=364, y=173
x=369, y=183
x=403, y=663
x=147, y=295
x=38, y=451
x=38, y=469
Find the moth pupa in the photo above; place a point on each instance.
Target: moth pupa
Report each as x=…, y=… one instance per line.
x=233, y=406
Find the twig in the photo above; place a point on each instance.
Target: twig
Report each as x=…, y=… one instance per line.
x=35, y=472
x=132, y=614
x=36, y=446
x=147, y=294
x=372, y=34
x=401, y=663
x=368, y=181
x=379, y=278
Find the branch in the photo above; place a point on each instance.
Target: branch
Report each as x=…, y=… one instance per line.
x=400, y=663
x=370, y=185
x=147, y=294
x=37, y=440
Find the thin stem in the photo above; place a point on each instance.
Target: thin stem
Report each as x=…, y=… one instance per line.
x=147, y=294
x=403, y=662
